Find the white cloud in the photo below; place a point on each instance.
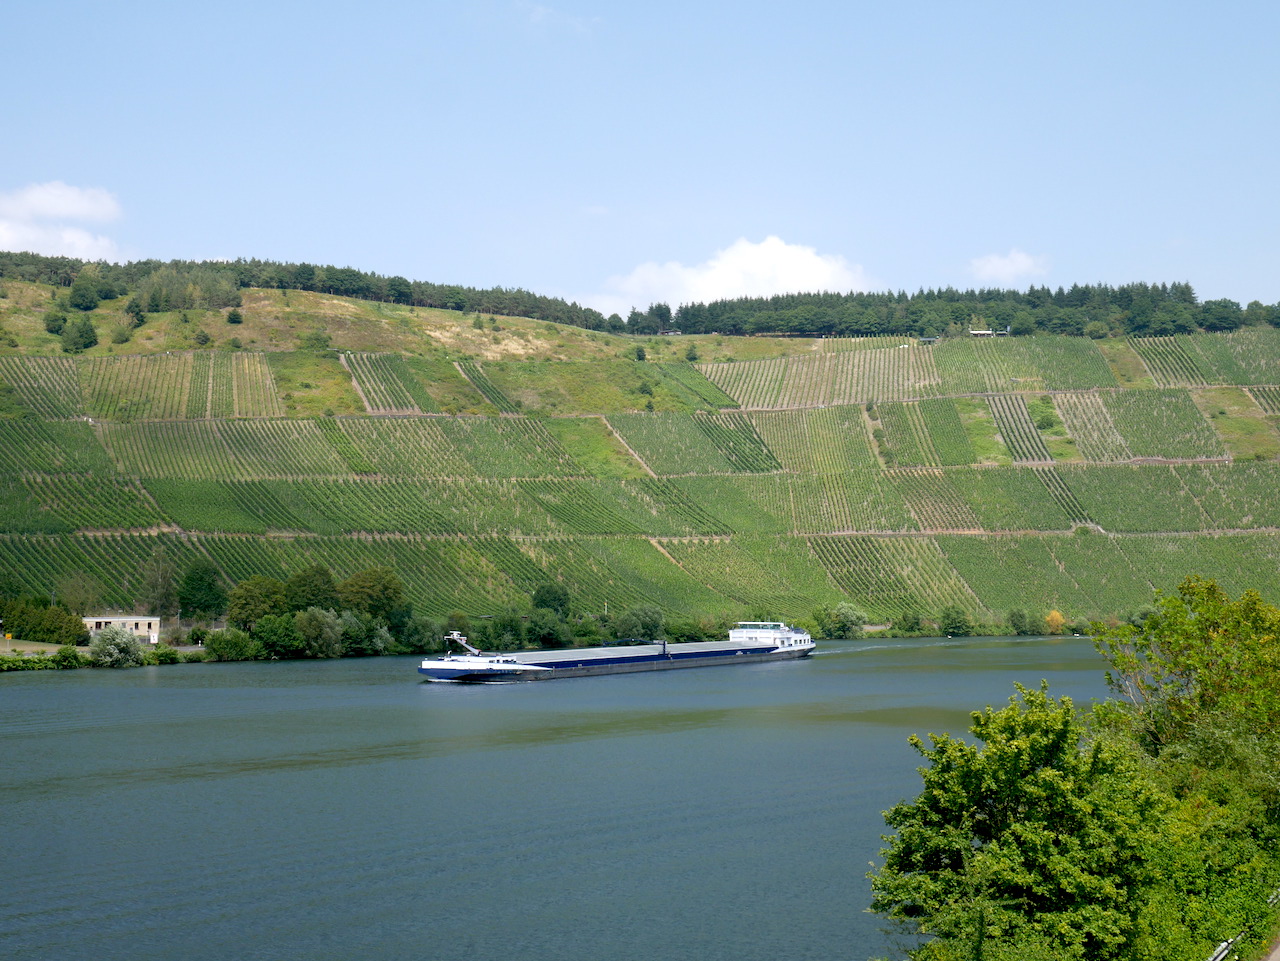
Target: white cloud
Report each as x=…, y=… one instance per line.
x=1007, y=269
x=549, y=18
x=44, y=218
x=58, y=201
x=744, y=269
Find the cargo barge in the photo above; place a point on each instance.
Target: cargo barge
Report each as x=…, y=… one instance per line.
x=749, y=642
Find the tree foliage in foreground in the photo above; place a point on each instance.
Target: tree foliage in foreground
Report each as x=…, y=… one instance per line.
x=1035, y=837
x=1147, y=829
x=1199, y=653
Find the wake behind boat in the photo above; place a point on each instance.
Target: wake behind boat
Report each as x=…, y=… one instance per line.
x=749, y=642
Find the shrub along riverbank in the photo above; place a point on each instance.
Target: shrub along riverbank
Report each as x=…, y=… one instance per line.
x=1146, y=828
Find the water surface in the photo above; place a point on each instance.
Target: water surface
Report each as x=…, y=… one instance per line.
x=343, y=809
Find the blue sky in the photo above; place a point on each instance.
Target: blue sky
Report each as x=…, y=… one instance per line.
x=619, y=154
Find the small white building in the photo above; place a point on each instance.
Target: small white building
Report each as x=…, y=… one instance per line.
x=145, y=626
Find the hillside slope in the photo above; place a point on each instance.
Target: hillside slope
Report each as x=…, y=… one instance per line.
x=481, y=456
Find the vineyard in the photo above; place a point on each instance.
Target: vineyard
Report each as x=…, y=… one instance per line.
x=179, y=386
x=848, y=377
x=984, y=473
x=1163, y=424
x=1018, y=430
x=386, y=384
x=48, y=387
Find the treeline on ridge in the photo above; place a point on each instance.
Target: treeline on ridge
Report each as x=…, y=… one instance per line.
x=1094, y=310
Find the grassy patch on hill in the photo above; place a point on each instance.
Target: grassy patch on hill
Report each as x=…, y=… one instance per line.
x=1061, y=445
x=595, y=447
x=1125, y=364
x=597, y=387
x=314, y=384
x=980, y=429
x=1246, y=430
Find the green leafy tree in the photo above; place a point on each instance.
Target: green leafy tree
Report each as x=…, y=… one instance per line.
x=85, y=291
x=116, y=646
x=1020, y=622
x=321, y=632
x=552, y=597
x=54, y=321
x=279, y=636
x=548, y=629
x=377, y=592
x=644, y=621
x=1036, y=839
x=311, y=587
x=47, y=625
x=137, y=316
x=1199, y=653
x=160, y=584
x=362, y=635
x=954, y=622
x=201, y=594
x=842, y=621
x=78, y=334
x=253, y=599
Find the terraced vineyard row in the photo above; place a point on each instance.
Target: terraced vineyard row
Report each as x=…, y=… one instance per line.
x=904, y=437
x=179, y=386
x=47, y=386
x=1010, y=364
x=1170, y=364
x=1017, y=429
x=823, y=441
x=1268, y=398
x=697, y=384
x=760, y=573
x=894, y=576
x=387, y=384
x=1162, y=424
x=823, y=503
x=115, y=562
x=735, y=437
x=1254, y=355
x=50, y=447
x=946, y=431
x=935, y=501
x=671, y=444
x=239, y=449
x=1089, y=422
x=481, y=382
x=853, y=377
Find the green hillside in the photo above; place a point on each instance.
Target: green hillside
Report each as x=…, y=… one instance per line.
x=481, y=455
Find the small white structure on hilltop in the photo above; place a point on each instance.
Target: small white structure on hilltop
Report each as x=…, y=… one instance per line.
x=145, y=626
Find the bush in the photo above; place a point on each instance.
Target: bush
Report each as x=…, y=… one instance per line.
x=232, y=645
x=164, y=654
x=116, y=647
x=54, y=321
x=78, y=335
x=68, y=658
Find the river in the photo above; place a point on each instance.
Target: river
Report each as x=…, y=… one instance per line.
x=342, y=809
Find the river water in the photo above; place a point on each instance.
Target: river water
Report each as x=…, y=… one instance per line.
x=343, y=809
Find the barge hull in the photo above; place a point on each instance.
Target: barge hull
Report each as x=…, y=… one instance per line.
x=667, y=662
